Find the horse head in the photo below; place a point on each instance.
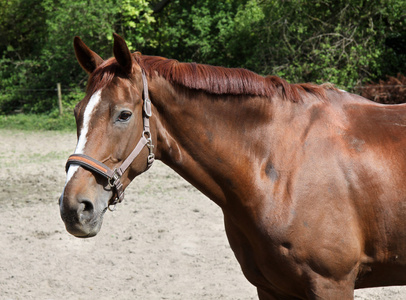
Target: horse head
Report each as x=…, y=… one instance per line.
x=110, y=120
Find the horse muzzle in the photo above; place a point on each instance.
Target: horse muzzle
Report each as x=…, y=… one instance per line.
x=81, y=216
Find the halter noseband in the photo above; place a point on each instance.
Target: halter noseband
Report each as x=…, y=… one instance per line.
x=114, y=176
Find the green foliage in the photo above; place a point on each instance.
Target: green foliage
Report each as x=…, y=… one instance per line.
x=344, y=42
x=22, y=28
x=19, y=79
x=38, y=59
x=135, y=21
x=190, y=30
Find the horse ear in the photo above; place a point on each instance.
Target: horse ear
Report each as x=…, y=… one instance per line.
x=87, y=59
x=122, y=53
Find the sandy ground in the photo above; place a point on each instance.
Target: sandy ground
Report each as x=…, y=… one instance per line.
x=165, y=241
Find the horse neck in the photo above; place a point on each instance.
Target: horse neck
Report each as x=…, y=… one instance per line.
x=212, y=141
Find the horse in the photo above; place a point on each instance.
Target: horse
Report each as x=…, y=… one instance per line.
x=310, y=178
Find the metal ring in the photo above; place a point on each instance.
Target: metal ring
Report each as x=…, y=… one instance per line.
x=151, y=158
x=148, y=134
x=111, y=209
x=112, y=183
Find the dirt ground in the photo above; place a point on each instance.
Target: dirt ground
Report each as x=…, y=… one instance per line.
x=165, y=241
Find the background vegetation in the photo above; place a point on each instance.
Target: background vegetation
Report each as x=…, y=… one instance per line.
x=348, y=43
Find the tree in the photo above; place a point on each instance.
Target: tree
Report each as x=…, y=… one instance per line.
x=21, y=22
x=344, y=42
x=190, y=30
x=38, y=52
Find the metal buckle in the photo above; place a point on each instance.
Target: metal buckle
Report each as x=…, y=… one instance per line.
x=113, y=185
x=113, y=180
x=147, y=107
x=151, y=156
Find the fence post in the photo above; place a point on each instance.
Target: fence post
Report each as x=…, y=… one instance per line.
x=58, y=87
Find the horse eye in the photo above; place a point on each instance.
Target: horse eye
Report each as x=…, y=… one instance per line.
x=124, y=116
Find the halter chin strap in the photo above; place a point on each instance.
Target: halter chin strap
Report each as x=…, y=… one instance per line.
x=114, y=176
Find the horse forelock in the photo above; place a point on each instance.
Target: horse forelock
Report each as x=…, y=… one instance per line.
x=104, y=75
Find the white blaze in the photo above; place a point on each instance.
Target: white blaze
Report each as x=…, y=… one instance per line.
x=80, y=147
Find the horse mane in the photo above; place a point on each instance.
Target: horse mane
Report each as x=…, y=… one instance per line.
x=207, y=78
x=226, y=81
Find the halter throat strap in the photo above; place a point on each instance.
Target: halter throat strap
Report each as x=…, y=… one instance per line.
x=114, y=176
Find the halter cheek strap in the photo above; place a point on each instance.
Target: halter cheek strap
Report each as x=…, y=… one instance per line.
x=114, y=176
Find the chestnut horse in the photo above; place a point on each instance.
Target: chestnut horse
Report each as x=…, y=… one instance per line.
x=310, y=178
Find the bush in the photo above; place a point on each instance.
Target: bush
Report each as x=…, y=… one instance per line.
x=390, y=91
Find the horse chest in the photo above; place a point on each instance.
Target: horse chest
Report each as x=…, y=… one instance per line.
x=265, y=261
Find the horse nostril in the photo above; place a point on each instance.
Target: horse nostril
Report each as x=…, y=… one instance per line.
x=86, y=209
x=88, y=206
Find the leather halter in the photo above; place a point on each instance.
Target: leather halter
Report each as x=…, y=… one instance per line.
x=114, y=176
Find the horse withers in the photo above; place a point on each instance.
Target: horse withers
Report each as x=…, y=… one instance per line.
x=310, y=178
